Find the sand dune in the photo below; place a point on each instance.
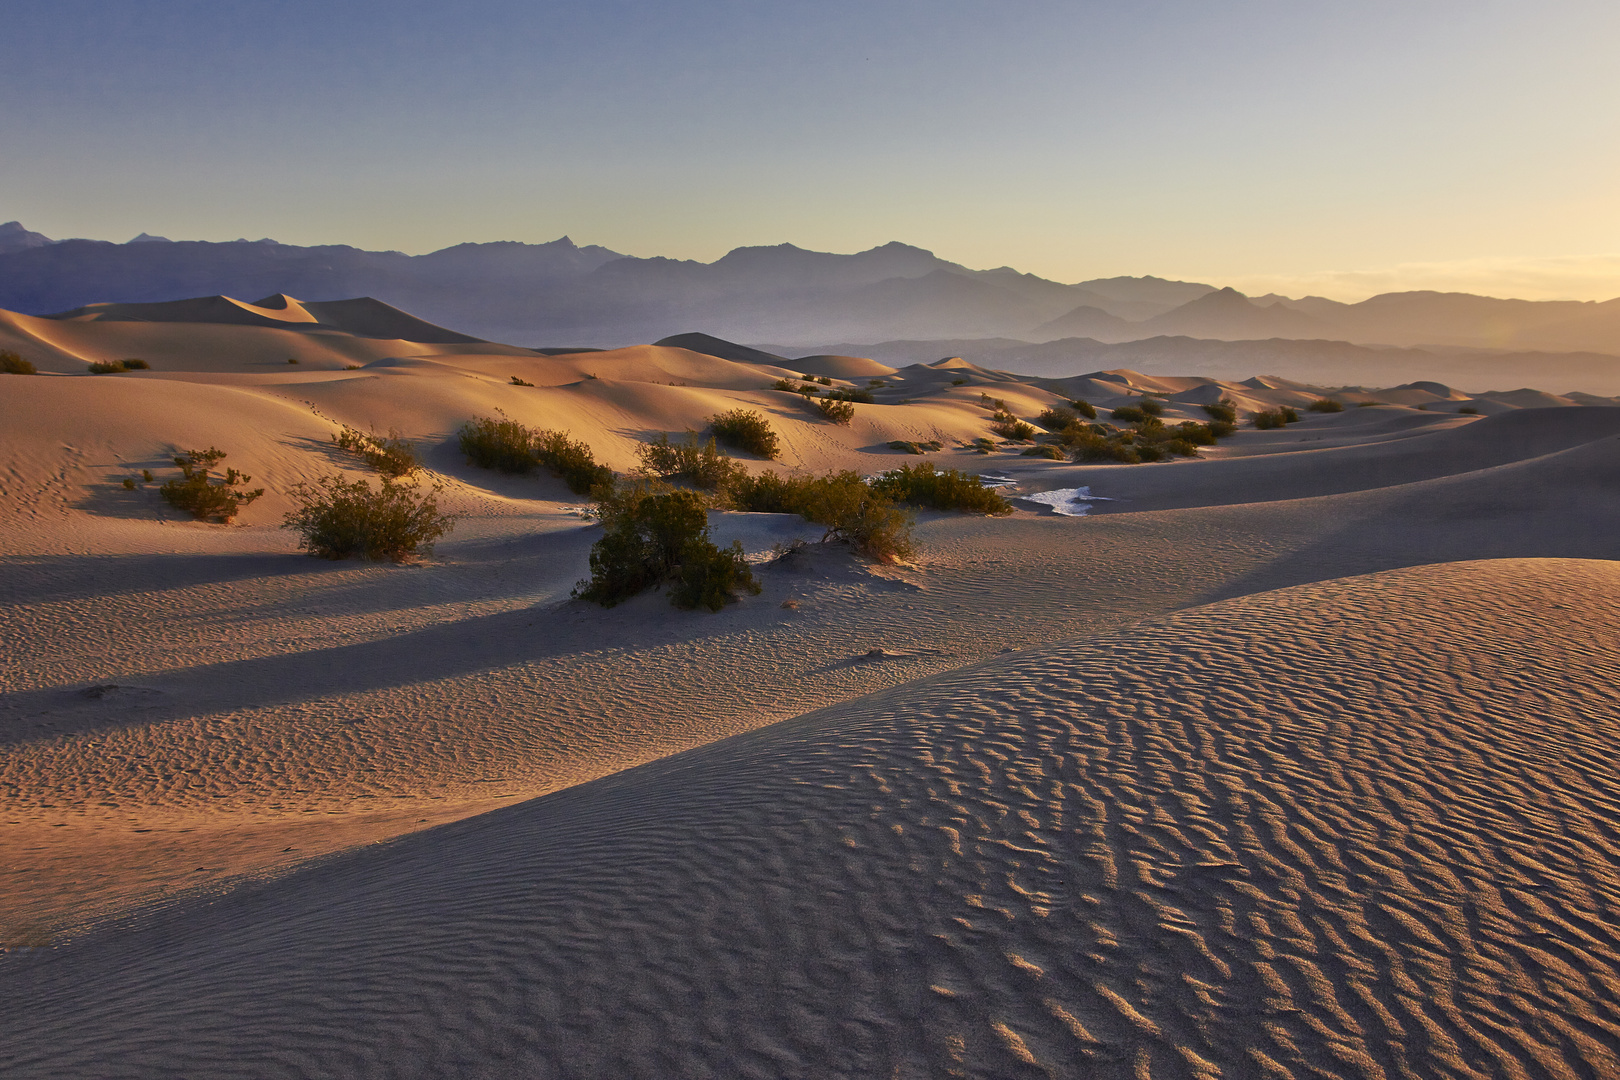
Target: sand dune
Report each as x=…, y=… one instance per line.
x=1299, y=767
x=1346, y=827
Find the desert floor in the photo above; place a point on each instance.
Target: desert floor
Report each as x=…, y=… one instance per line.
x=1293, y=761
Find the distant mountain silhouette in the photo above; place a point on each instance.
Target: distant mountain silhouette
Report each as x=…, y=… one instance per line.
x=560, y=293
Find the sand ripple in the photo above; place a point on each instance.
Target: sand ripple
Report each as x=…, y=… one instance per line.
x=1366, y=828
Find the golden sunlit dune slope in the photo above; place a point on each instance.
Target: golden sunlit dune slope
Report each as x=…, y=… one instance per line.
x=1357, y=828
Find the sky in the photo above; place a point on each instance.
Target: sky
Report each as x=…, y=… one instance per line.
x=1274, y=145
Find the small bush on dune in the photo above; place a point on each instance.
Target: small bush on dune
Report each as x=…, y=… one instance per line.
x=392, y=456
x=13, y=364
x=940, y=489
x=786, y=386
x=824, y=380
x=1129, y=413
x=1468, y=410
x=836, y=410
x=107, y=367
x=1090, y=446
x=519, y=382
x=860, y=397
x=852, y=511
x=1268, y=419
x=765, y=493
x=982, y=446
x=1151, y=406
x=204, y=500
x=504, y=445
x=1056, y=418
x=338, y=518
x=511, y=447
x=1223, y=411
x=1325, y=405
x=651, y=536
x=1009, y=427
x=571, y=460
x=699, y=464
x=1053, y=453
x=1084, y=408
x=746, y=430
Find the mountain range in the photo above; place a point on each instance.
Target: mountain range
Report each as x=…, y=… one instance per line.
x=561, y=294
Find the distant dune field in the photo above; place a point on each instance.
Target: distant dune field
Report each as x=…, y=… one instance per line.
x=1292, y=760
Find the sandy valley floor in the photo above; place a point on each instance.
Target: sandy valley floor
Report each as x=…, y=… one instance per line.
x=1294, y=761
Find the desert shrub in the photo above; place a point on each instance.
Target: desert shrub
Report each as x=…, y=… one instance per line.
x=854, y=512
x=505, y=445
x=824, y=380
x=905, y=446
x=1181, y=447
x=1009, y=427
x=875, y=383
x=835, y=410
x=107, y=367
x=513, y=448
x=1267, y=419
x=337, y=518
x=652, y=535
x=982, y=446
x=1151, y=406
x=391, y=456
x=786, y=386
x=1150, y=452
x=1194, y=433
x=146, y=474
x=519, y=382
x=571, y=460
x=699, y=464
x=860, y=397
x=958, y=382
x=1468, y=410
x=13, y=364
x=129, y=483
x=1056, y=418
x=1053, y=453
x=1325, y=405
x=1368, y=404
x=206, y=501
x=292, y=359
x=1084, y=408
x=1131, y=414
x=1221, y=429
x=766, y=493
x=1092, y=446
x=1224, y=411
x=940, y=489
x=746, y=430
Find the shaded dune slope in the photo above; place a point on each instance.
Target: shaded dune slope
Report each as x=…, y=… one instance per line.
x=1361, y=828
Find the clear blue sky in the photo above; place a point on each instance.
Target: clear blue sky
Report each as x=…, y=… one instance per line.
x=1260, y=142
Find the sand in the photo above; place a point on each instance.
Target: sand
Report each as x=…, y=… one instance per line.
x=1292, y=761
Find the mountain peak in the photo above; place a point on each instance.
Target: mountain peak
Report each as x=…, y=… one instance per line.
x=13, y=237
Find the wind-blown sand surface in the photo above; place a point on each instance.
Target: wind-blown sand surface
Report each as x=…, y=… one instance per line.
x=1300, y=763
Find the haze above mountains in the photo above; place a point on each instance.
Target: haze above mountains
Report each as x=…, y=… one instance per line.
x=560, y=293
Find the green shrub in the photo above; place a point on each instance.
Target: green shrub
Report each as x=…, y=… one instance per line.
x=129, y=483
x=1056, y=418
x=1267, y=419
x=292, y=359
x=1084, y=408
x=746, y=430
x=852, y=511
x=1150, y=452
x=146, y=474
x=513, y=448
x=1191, y=431
x=505, y=445
x=392, y=456
x=1224, y=411
x=203, y=500
x=958, y=382
x=699, y=464
x=836, y=410
x=519, y=382
x=1053, y=453
x=651, y=536
x=571, y=460
x=1367, y=404
x=1091, y=446
x=861, y=397
x=940, y=489
x=982, y=446
x=1468, y=410
x=1151, y=406
x=1131, y=414
x=1009, y=427
x=1326, y=405
x=107, y=367
x=1181, y=448
x=785, y=385
x=765, y=493
x=13, y=364
x=875, y=383
x=824, y=380
x=338, y=518
x=905, y=447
